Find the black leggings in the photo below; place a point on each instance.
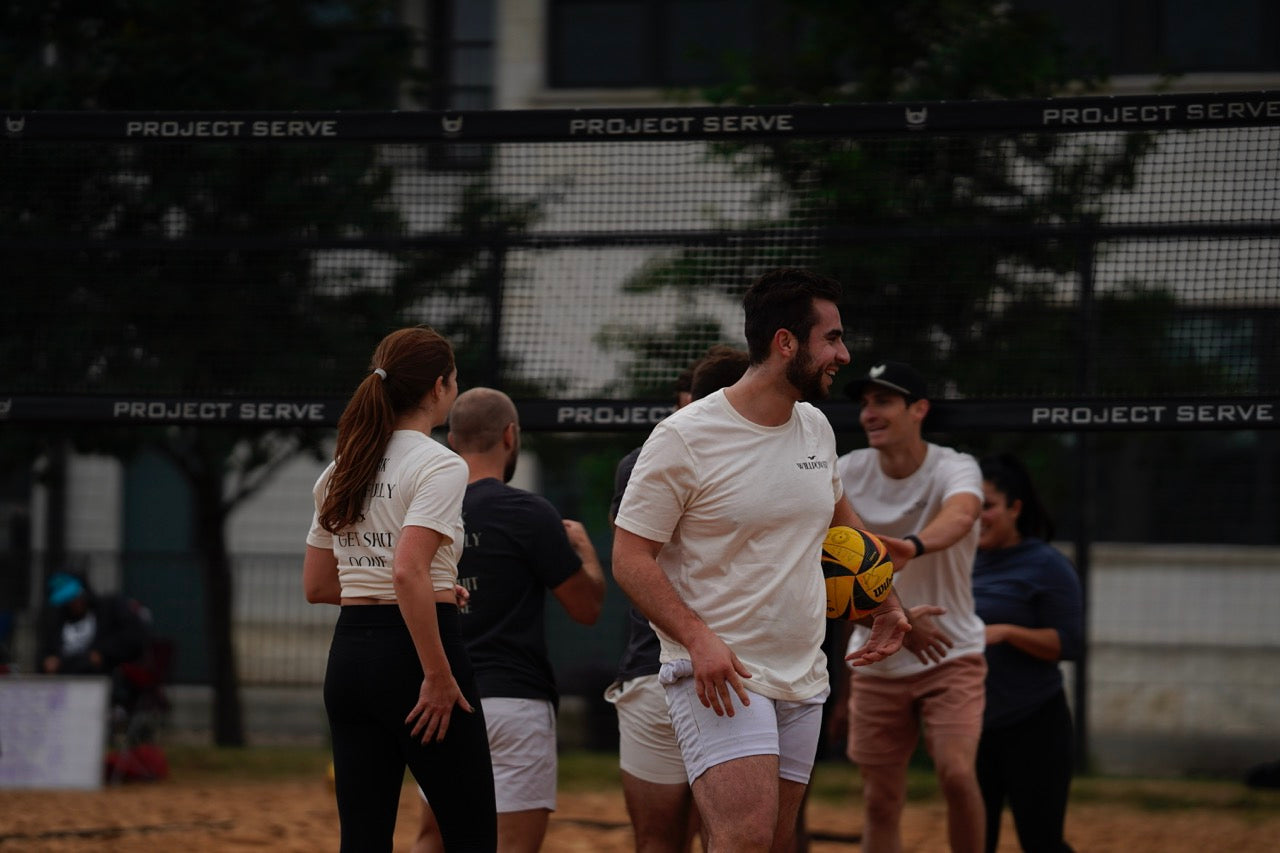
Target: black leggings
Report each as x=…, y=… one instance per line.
x=1029, y=763
x=370, y=686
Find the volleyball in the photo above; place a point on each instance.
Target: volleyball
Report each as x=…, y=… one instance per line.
x=857, y=571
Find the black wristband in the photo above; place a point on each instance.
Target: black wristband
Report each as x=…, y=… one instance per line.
x=915, y=540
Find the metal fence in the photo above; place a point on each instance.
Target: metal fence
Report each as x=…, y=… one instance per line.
x=1183, y=644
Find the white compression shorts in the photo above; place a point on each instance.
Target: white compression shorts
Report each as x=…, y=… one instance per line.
x=767, y=726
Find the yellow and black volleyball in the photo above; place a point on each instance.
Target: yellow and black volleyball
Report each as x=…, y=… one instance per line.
x=858, y=572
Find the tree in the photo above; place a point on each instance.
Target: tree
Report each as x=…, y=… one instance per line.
x=941, y=242
x=216, y=269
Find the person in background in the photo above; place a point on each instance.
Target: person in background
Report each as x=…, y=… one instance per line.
x=384, y=544
x=87, y=633
x=1028, y=595
x=654, y=784
x=929, y=495
x=518, y=548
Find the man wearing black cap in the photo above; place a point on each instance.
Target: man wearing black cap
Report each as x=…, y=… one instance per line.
x=906, y=487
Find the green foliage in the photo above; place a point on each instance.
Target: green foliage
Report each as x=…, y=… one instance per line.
x=655, y=361
x=202, y=55
x=166, y=261
x=216, y=269
x=209, y=269
x=236, y=764
x=904, y=50
x=946, y=245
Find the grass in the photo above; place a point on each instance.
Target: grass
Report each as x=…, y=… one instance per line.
x=1156, y=795
x=194, y=762
x=833, y=781
x=836, y=781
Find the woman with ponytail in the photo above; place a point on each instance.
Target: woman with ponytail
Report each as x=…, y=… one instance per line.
x=1028, y=595
x=384, y=544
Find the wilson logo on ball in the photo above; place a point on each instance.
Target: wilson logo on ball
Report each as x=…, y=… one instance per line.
x=858, y=572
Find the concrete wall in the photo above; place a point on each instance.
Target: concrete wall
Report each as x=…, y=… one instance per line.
x=1184, y=666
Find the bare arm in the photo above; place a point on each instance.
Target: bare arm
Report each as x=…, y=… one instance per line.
x=411, y=577
x=320, y=576
x=954, y=520
x=927, y=641
x=1043, y=643
x=844, y=515
x=582, y=593
x=888, y=627
x=716, y=669
x=900, y=551
x=952, y=523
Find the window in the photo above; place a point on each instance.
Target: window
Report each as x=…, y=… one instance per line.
x=647, y=43
x=460, y=70
x=1170, y=36
x=460, y=61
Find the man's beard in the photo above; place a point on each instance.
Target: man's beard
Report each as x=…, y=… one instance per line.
x=803, y=376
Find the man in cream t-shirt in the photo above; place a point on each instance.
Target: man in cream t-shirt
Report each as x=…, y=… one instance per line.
x=930, y=496
x=718, y=542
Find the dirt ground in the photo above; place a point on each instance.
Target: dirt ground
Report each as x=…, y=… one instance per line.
x=222, y=816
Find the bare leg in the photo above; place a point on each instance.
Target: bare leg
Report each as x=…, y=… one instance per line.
x=884, y=793
x=428, y=840
x=518, y=832
x=523, y=831
x=738, y=801
x=790, y=800
x=954, y=758
x=663, y=818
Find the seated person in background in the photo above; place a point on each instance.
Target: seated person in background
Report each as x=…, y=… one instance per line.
x=84, y=633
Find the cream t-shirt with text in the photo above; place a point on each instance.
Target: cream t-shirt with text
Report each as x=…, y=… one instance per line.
x=420, y=482
x=743, y=510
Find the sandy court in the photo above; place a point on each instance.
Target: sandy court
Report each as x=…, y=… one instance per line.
x=204, y=817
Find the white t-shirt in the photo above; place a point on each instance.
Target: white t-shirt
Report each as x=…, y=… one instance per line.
x=742, y=510
x=421, y=483
x=901, y=507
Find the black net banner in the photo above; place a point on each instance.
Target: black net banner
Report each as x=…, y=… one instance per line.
x=1059, y=265
x=1135, y=112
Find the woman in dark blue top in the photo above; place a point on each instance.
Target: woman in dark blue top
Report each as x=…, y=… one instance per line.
x=1028, y=595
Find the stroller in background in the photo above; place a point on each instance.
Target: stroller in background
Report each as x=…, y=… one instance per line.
x=140, y=710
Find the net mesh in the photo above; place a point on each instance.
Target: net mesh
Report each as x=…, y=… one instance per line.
x=1006, y=264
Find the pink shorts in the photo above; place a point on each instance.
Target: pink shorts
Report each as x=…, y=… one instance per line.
x=885, y=714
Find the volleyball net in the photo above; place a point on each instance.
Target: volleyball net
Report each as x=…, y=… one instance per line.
x=1065, y=264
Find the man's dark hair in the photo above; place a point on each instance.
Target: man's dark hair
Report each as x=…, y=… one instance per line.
x=719, y=368
x=684, y=382
x=783, y=299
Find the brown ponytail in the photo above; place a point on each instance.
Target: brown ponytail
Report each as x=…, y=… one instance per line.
x=412, y=360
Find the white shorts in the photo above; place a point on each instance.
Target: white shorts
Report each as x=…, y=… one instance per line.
x=767, y=726
x=522, y=745
x=647, y=747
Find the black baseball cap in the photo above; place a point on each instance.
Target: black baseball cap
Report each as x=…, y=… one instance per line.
x=894, y=375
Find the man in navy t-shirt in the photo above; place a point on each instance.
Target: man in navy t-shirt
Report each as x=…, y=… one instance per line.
x=517, y=547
